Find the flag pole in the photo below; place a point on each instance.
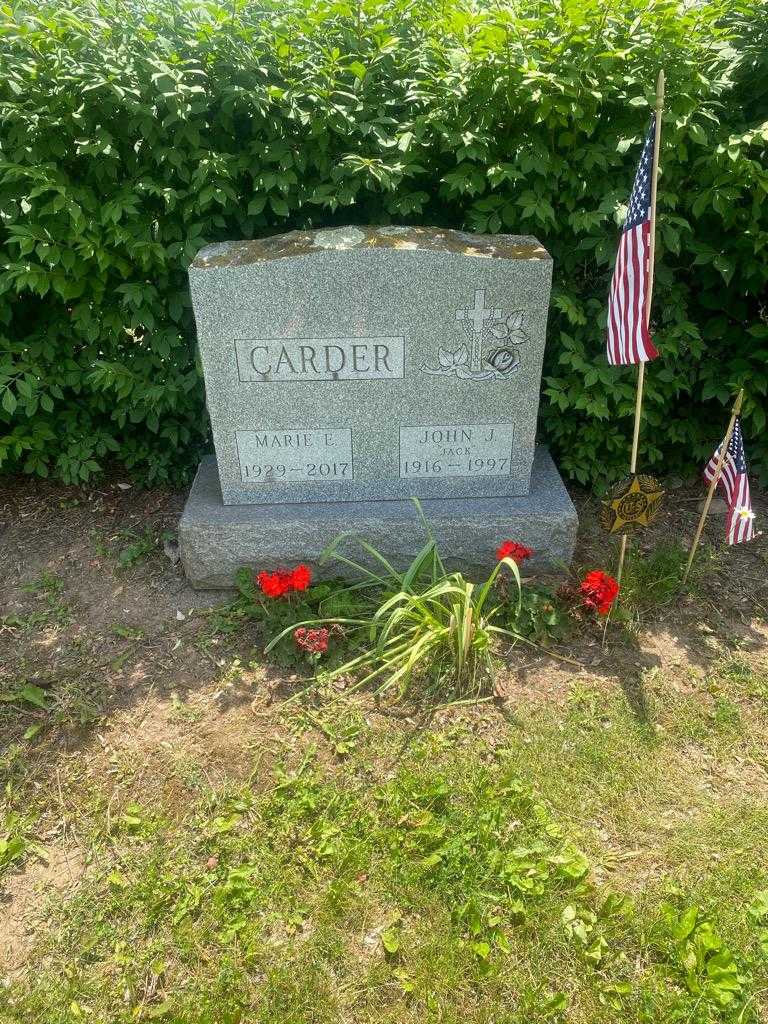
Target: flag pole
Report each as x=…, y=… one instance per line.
x=713, y=482
x=648, y=298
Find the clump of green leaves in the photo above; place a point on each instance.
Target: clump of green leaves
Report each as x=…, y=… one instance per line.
x=698, y=957
x=327, y=599
x=137, y=547
x=535, y=613
x=13, y=840
x=206, y=121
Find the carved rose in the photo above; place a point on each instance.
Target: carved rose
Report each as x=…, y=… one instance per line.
x=504, y=360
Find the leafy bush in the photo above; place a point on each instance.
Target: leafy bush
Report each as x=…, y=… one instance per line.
x=135, y=132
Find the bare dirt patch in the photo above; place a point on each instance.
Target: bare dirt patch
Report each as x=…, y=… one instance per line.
x=24, y=895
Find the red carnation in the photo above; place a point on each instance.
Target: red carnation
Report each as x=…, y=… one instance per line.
x=301, y=577
x=313, y=641
x=274, y=584
x=599, y=591
x=511, y=549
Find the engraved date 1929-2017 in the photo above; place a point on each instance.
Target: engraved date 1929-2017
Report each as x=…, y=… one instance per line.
x=274, y=456
x=324, y=456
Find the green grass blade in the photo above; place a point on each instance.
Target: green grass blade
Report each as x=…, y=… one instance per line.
x=332, y=552
x=438, y=568
x=417, y=564
x=511, y=564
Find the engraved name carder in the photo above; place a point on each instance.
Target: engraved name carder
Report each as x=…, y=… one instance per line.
x=315, y=359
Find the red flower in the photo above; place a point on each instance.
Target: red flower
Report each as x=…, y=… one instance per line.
x=599, y=591
x=301, y=577
x=511, y=549
x=313, y=641
x=275, y=584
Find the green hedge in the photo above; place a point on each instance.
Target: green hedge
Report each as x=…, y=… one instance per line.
x=133, y=132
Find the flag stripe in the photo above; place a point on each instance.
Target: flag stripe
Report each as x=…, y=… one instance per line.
x=640, y=285
x=637, y=287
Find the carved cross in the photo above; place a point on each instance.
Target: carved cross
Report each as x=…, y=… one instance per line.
x=476, y=317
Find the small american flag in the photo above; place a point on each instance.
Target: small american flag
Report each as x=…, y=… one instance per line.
x=629, y=340
x=735, y=483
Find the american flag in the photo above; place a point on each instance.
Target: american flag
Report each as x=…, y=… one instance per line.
x=629, y=340
x=735, y=484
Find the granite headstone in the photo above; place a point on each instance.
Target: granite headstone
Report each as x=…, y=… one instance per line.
x=349, y=369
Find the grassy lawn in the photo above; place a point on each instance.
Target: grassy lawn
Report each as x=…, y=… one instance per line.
x=182, y=842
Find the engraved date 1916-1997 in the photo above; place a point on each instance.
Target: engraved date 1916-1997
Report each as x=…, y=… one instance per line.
x=451, y=465
x=467, y=449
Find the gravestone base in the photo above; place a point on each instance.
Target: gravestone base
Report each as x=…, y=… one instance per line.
x=217, y=539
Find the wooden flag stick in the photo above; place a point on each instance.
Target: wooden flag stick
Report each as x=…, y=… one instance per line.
x=713, y=482
x=648, y=297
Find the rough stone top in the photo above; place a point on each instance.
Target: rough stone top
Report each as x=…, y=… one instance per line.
x=307, y=243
